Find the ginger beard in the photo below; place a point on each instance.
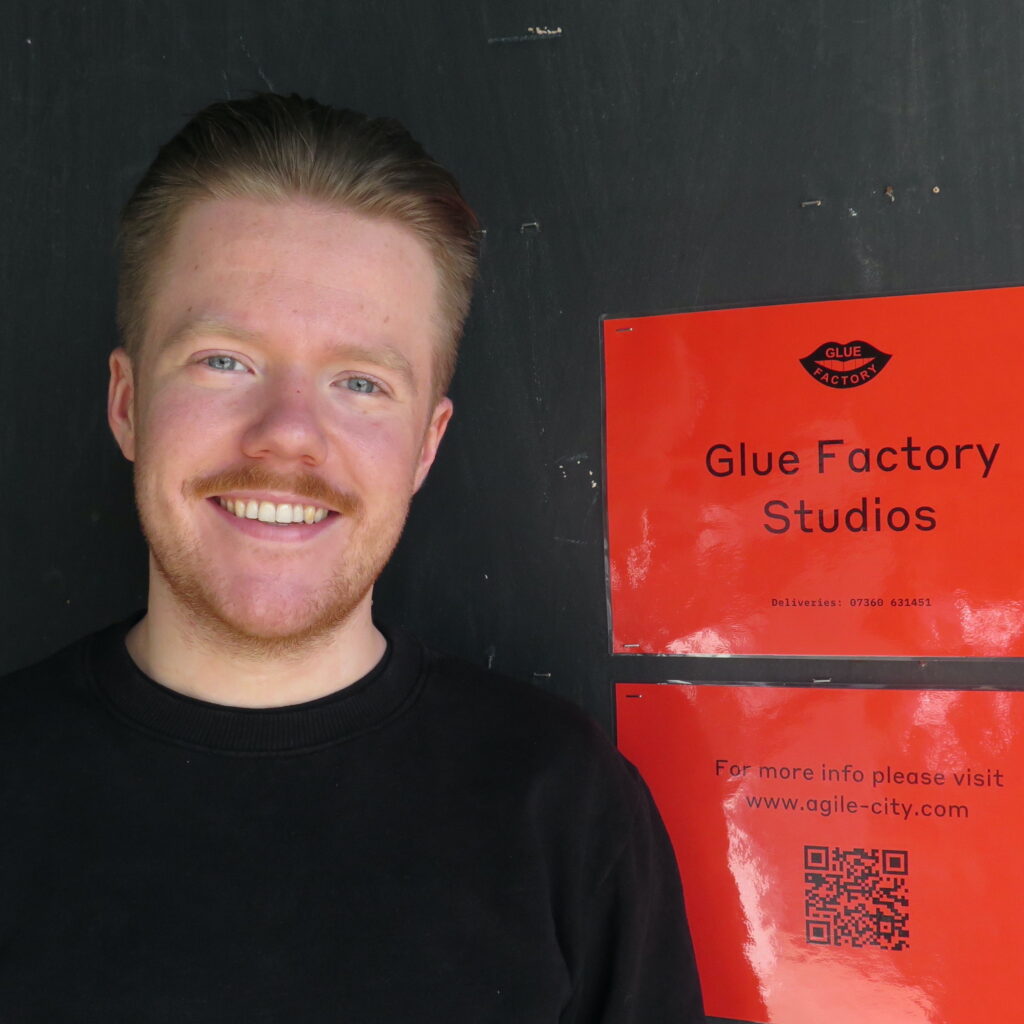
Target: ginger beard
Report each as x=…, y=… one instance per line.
x=245, y=612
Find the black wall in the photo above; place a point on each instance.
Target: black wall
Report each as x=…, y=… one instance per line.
x=661, y=151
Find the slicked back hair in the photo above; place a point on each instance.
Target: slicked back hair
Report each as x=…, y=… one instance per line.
x=273, y=148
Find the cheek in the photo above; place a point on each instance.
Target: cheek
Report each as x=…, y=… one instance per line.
x=384, y=452
x=175, y=429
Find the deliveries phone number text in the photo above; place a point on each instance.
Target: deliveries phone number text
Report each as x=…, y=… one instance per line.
x=853, y=602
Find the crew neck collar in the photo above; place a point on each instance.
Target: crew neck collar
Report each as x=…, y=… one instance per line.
x=368, y=702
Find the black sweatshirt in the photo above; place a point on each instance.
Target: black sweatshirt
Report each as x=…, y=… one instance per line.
x=430, y=844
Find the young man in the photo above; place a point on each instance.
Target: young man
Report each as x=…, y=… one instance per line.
x=253, y=803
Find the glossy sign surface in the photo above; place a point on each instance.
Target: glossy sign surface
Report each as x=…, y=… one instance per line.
x=827, y=478
x=848, y=856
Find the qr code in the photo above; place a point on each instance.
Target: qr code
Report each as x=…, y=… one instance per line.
x=856, y=897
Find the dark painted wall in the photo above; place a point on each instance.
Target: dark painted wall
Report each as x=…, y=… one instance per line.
x=662, y=150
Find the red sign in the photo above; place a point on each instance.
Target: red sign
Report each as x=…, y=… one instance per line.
x=849, y=856
x=825, y=478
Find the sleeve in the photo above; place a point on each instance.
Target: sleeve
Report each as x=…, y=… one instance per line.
x=638, y=965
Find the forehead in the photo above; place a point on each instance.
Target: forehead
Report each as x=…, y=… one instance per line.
x=293, y=268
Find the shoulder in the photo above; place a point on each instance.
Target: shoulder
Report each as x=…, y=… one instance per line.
x=53, y=673
x=49, y=690
x=489, y=699
x=535, y=735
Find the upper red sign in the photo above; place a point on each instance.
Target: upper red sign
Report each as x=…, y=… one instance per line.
x=823, y=478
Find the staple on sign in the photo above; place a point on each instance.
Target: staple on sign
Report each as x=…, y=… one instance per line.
x=630, y=645
x=529, y=226
x=811, y=202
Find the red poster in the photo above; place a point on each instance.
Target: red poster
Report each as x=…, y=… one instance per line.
x=825, y=478
x=849, y=856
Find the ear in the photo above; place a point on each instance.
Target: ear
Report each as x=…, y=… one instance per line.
x=121, y=402
x=439, y=419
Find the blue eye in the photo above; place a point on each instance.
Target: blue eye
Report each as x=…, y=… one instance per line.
x=223, y=363
x=362, y=385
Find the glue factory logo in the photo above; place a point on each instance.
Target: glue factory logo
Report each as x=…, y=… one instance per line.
x=845, y=366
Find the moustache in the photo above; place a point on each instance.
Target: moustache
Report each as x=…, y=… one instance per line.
x=258, y=478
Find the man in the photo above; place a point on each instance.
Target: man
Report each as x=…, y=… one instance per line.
x=253, y=803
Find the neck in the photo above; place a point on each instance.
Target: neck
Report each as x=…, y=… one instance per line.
x=170, y=647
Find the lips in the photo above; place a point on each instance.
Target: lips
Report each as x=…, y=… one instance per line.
x=845, y=364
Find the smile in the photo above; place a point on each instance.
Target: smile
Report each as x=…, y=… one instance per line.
x=269, y=512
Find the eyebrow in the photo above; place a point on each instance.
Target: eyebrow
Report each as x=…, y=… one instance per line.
x=383, y=355
x=209, y=325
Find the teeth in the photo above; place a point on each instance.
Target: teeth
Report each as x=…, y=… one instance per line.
x=269, y=512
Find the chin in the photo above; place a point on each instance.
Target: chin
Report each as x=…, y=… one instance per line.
x=263, y=617
x=263, y=632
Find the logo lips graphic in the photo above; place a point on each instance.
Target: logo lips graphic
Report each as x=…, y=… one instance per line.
x=846, y=365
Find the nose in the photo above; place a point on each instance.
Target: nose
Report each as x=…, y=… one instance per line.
x=286, y=425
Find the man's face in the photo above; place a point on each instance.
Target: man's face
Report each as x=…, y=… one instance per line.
x=286, y=372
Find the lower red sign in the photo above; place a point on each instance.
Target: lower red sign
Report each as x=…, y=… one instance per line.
x=848, y=855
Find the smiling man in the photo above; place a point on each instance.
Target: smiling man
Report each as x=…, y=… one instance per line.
x=281, y=407
x=253, y=802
